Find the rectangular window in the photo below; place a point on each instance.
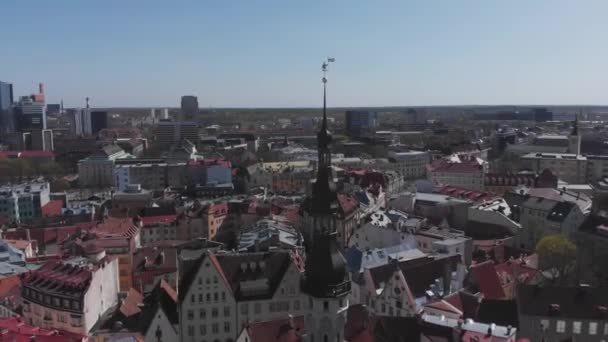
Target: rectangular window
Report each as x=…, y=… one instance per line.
x=560, y=327
x=214, y=312
x=191, y=330
x=576, y=327
x=226, y=311
x=203, y=329
x=544, y=324
x=257, y=308
x=226, y=327
x=215, y=328
x=202, y=314
x=190, y=315
x=223, y=295
x=296, y=305
x=325, y=306
x=593, y=328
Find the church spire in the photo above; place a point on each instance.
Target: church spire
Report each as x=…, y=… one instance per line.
x=324, y=193
x=575, y=126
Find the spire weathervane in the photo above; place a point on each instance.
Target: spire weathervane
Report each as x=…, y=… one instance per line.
x=324, y=189
x=324, y=79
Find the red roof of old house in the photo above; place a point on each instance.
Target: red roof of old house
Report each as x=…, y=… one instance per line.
x=112, y=226
x=518, y=270
x=279, y=330
x=52, y=208
x=358, y=326
x=131, y=304
x=212, y=162
x=8, y=284
x=157, y=219
x=488, y=281
x=365, y=177
x=443, y=165
x=444, y=306
x=216, y=209
x=55, y=274
x=20, y=244
x=464, y=301
x=14, y=329
x=473, y=195
x=170, y=291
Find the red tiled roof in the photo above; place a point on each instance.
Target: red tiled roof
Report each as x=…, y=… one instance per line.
x=14, y=329
x=466, y=302
x=279, y=330
x=116, y=226
x=488, y=281
x=52, y=208
x=170, y=291
x=212, y=162
x=130, y=305
x=219, y=269
x=156, y=219
x=20, y=244
x=73, y=276
x=444, y=306
x=473, y=195
x=443, y=165
x=8, y=284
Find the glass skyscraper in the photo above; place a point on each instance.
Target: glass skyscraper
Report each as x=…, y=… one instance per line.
x=7, y=119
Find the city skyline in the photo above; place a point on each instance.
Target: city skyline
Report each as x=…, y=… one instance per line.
x=267, y=55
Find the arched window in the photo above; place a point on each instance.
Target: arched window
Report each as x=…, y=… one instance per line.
x=325, y=338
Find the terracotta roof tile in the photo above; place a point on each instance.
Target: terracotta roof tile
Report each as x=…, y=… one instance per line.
x=488, y=281
x=279, y=330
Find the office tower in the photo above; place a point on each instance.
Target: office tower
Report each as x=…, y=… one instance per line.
x=170, y=134
x=74, y=117
x=189, y=107
x=30, y=113
x=38, y=140
x=87, y=126
x=361, y=123
x=165, y=114
x=99, y=121
x=7, y=120
x=53, y=109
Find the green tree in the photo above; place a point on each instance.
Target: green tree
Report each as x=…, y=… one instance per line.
x=59, y=185
x=556, y=257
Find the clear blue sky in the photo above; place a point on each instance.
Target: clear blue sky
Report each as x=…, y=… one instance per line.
x=268, y=53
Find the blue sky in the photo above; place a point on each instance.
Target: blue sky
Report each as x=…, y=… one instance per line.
x=268, y=53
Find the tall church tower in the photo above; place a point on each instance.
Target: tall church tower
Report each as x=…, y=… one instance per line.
x=326, y=279
x=574, y=139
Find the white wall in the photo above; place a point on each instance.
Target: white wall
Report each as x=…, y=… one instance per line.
x=102, y=293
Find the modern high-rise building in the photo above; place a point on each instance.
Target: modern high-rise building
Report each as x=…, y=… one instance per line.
x=360, y=123
x=99, y=121
x=189, y=107
x=30, y=113
x=37, y=140
x=170, y=133
x=7, y=120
